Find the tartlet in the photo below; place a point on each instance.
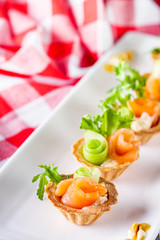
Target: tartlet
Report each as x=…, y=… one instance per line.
x=87, y=214
x=108, y=173
x=153, y=111
x=144, y=136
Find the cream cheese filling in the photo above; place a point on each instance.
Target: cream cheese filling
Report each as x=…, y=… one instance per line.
x=109, y=163
x=99, y=201
x=142, y=123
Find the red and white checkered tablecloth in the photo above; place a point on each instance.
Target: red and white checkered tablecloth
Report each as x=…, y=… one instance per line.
x=45, y=48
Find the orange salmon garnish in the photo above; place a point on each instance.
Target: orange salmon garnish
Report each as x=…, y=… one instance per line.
x=122, y=146
x=140, y=105
x=62, y=187
x=81, y=192
x=152, y=88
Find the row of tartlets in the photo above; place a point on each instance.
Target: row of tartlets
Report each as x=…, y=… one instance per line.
x=130, y=117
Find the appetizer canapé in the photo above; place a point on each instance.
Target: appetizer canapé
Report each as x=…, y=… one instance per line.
x=146, y=122
x=112, y=155
x=82, y=197
x=131, y=93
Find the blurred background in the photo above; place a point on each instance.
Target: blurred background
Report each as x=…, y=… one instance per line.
x=46, y=46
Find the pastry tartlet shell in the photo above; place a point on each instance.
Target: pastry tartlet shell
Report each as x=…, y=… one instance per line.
x=108, y=173
x=145, y=135
x=87, y=214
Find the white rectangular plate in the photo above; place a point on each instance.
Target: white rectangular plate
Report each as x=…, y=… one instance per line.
x=24, y=217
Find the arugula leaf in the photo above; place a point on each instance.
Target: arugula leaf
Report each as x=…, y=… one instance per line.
x=40, y=191
x=130, y=79
x=110, y=121
x=51, y=173
x=34, y=179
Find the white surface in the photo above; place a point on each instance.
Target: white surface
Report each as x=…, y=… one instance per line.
x=24, y=217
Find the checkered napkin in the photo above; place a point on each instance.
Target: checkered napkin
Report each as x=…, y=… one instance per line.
x=45, y=48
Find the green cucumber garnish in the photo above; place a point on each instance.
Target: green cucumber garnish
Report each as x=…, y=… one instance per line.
x=95, y=149
x=84, y=172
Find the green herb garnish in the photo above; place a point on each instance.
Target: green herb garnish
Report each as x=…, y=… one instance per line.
x=121, y=118
x=130, y=79
x=95, y=151
x=97, y=123
x=155, y=51
x=131, y=86
x=51, y=174
x=110, y=121
x=116, y=98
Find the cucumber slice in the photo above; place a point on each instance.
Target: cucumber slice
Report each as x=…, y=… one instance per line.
x=89, y=135
x=84, y=172
x=95, y=149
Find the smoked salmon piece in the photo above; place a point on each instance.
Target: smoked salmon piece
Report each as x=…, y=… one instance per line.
x=140, y=105
x=152, y=88
x=122, y=146
x=80, y=192
x=62, y=187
